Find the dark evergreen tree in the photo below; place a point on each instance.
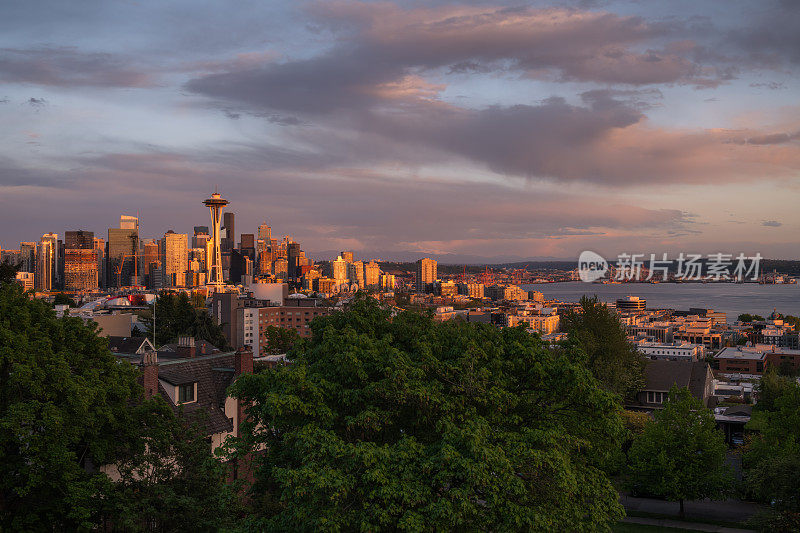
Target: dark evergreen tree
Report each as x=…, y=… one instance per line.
x=609, y=355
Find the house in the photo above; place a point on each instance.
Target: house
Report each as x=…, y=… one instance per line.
x=193, y=378
x=130, y=345
x=661, y=375
x=198, y=384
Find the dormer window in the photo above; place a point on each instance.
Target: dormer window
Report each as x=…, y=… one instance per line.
x=655, y=397
x=186, y=393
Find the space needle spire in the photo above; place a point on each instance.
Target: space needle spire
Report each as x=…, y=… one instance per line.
x=215, y=205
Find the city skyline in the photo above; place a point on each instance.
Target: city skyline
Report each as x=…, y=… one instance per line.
x=477, y=130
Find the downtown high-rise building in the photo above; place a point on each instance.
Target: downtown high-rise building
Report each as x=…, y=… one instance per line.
x=339, y=270
x=27, y=252
x=355, y=273
x=122, y=261
x=174, y=258
x=80, y=261
x=100, y=253
x=426, y=274
x=292, y=259
x=228, y=237
x=372, y=275
x=46, y=262
x=121, y=253
x=264, y=232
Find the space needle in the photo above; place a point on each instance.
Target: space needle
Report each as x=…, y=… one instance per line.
x=215, y=205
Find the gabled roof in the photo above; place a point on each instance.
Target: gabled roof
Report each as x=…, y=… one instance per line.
x=176, y=376
x=661, y=375
x=213, y=374
x=202, y=347
x=129, y=345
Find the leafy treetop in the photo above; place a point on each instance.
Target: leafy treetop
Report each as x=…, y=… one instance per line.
x=681, y=454
x=410, y=424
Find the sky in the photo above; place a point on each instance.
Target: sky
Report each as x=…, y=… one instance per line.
x=402, y=129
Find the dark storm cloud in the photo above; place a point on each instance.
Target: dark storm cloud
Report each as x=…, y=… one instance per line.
x=373, y=80
x=68, y=67
x=383, y=45
x=524, y=140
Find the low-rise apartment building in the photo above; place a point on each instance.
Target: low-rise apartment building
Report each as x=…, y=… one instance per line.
x=675, y=351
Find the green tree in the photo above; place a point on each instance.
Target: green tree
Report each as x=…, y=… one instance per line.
x=409, y=424
x=63, y=411
x=792, y=321
x=402, y=299
x=168, y=476
x=280, y=340
x=772, y=458
x=63, y=299
x=681, y=454
x=747, y=317
x=610, y=356
x=8, y=272
x=177, y=316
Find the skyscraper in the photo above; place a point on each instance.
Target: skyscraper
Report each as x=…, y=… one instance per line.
x=45, y=262
x=80, y=261
x=79, y=240
x=150, y=253
x=355, y=273
x=426, y=274
x=229, y=237
x=372, y=275
x=292, y=256
x=264, y=232
x=100, y=253
x=339, y=270
x=175, y=258
x=27, y=252
x=349, y=257
x=121, y=264
x=214, y=262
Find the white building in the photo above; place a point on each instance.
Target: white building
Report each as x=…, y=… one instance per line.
x=675, y=351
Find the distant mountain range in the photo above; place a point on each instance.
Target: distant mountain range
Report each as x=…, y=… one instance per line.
x=445, y=259
x=405, y=258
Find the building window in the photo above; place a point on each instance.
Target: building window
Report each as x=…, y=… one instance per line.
x=655, y=397
x=186, y=393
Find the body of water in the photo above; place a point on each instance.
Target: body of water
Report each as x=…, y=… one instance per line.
x=731, y=298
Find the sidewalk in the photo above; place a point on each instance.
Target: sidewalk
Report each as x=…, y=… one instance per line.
x=725, y=510
x=677, y=524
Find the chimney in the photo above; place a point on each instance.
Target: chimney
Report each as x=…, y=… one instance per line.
x=150, y=371
x=243, y=361
x=186, y=347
